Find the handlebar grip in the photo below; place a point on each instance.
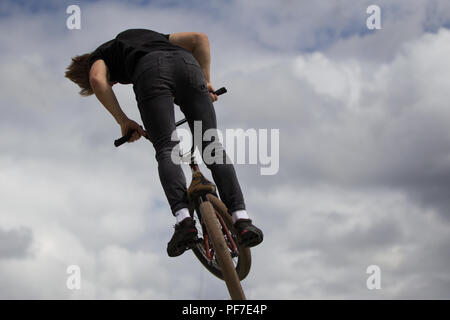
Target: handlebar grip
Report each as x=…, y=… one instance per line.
x=220, y=91
x=123, y=139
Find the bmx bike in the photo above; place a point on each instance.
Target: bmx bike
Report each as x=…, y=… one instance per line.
x=218, y=246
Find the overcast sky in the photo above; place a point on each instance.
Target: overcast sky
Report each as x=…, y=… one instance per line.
x=364, y=175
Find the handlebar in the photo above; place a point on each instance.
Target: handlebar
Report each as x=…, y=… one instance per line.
x=127, y=137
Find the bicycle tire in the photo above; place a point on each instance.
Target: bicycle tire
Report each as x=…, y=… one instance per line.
x=221, y=251
x=244, y=258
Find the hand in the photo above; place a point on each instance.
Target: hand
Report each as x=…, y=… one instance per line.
x=130, y=125
x=211, y=91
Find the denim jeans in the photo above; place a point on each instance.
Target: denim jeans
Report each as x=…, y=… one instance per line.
x=158, y=79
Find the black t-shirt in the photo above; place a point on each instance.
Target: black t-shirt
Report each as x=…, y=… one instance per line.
x=122, y=53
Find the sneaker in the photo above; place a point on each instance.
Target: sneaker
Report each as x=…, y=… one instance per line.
x=248, y=234
x=184, y=238
x=200, y=185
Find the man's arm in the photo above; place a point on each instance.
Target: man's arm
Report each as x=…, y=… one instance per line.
x=98, y=78
x=198, y=44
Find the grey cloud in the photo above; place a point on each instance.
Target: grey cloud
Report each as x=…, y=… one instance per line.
x=15, y=243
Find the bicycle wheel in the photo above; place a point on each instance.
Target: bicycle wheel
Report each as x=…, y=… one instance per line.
x=221, y=250
x=241, y=259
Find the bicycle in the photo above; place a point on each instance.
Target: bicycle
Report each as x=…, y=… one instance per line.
x=217, y=247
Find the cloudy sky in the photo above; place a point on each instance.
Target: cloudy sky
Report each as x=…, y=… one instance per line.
x=364, y=159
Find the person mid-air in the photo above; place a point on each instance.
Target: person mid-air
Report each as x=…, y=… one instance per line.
x=164, y=67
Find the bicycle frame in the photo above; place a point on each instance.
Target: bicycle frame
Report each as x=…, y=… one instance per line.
x=194, y=168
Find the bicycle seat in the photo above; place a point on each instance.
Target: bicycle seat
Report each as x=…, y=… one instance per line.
x=199, y=186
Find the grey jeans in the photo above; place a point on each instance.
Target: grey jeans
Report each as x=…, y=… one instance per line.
x=159, y=77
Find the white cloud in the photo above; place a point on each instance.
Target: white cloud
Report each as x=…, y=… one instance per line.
x=324, y=239
x=339, y=81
